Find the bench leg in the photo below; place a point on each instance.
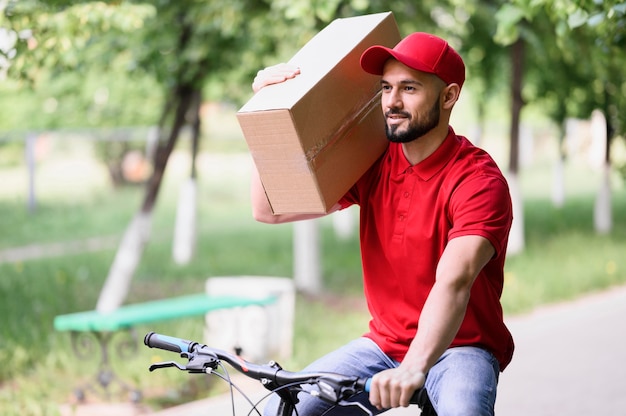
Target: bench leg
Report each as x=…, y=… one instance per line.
x=86, y=345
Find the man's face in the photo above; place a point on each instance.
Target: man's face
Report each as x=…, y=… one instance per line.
x=410, y=102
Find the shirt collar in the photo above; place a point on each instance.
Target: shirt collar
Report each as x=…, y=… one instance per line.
x=428, y=167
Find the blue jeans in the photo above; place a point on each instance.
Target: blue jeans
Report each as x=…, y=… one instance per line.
x=462, y=382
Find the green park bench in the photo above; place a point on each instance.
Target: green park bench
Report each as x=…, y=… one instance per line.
x=103, y=327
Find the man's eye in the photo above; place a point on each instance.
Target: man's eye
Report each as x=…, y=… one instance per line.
x=386, y=88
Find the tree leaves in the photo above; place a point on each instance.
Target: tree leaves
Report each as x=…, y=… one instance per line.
x=590, y=40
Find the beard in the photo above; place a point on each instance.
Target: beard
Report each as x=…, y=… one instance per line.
x=416, y=128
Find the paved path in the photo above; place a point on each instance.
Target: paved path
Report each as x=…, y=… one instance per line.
x=570, y=360
x=37, y=251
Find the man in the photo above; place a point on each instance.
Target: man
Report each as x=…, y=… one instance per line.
x=435, y=215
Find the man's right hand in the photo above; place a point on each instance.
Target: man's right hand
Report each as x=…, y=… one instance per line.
x=274, y=75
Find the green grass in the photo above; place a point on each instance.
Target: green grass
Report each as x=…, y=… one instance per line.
x=563, y=259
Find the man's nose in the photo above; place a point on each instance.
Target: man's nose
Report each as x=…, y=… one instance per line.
x=391, y=100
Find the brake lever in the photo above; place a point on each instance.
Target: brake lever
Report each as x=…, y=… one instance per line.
x=326, y=391
x=362, y=408
x=198, y=363
x=167, y=364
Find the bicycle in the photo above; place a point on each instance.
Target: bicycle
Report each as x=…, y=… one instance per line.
x=333, y=388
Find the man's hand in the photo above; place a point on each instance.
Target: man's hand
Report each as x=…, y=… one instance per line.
x=395, y=387
x=274, y=75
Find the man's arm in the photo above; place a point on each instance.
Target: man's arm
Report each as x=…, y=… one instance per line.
x=439, y=322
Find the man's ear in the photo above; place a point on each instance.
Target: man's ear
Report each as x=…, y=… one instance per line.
x=450, y=95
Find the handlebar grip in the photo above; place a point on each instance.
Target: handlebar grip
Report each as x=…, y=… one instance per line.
x=368, y=384
x=419, y=397
x=164, y=342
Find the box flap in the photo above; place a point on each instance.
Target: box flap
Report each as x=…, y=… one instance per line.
x=316, y=59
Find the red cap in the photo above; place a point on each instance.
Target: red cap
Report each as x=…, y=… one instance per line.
x=421, y=51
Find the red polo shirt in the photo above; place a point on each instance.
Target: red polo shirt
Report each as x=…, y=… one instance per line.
x=408, y=215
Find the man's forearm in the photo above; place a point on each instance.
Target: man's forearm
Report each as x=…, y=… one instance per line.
x=439, y=323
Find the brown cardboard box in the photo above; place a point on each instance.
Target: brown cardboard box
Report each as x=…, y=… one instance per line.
x=312, y=137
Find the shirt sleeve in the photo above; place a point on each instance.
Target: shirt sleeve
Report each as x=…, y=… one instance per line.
x=482, y=206
x=348, y=199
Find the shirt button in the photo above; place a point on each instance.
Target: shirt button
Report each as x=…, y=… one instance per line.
x=401, y=217
x=406, y=194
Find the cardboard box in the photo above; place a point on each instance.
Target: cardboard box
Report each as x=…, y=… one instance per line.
x=313, y=136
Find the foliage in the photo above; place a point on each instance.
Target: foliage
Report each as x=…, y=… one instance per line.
x=74, y=57
x=97, y=99
x=172, y=42
x=60, y=36
x=230, y=40
x=584, y=45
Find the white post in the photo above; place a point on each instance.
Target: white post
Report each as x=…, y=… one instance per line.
x=516, y=236
x=602, y=211
x=344, y=223
x=558, y=184
x=31, y=140
x=183, y=247
x=307, y=275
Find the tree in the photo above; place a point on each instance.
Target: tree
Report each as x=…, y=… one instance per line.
x=206, y=38
x=184, y=44
x=594, y=30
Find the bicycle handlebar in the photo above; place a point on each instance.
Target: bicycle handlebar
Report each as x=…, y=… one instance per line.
x=271, y=375
x=331, y=387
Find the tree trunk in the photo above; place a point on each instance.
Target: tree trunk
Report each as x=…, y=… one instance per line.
x=184, y=98
x=183, y=247
x=517, y=102
x=558, y=184
x=345, y=223
x=131, y=248
x=186, y=94
x=127, y=258
x=602, y=213
x=516, y=237
x=306, y=249
x=479, y=127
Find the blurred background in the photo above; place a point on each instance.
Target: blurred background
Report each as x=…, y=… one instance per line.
x=110, y=111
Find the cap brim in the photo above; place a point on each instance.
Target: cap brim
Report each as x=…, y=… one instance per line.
x=374, y=58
